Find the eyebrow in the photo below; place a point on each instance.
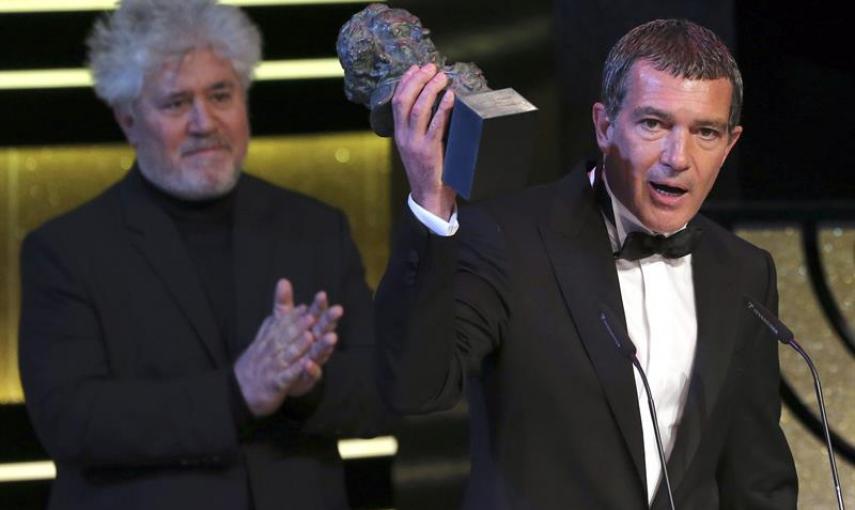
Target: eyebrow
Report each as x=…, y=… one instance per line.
x=221, y=85
x=644, y=111
x=215, y=87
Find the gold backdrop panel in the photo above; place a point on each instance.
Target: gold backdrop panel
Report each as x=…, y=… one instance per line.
x=800, y=310
x=350, y=171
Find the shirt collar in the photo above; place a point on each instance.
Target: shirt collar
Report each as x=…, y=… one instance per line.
x=625, y=220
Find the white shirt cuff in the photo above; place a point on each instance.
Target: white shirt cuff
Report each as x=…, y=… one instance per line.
x=433, y=222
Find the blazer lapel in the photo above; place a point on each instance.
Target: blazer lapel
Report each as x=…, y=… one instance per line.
x=155, y=236
x=271, y=241
x=580, y=253
x=716, y=306
x=255, y=250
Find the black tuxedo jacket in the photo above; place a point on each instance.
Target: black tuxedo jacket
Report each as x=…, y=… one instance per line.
x=508, y=311
x=127, y=379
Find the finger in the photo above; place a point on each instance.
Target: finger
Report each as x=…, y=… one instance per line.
x=402, y=99
x=295, y=348
x=283, y=297
x=312, y=370
x=422, y=110
x=323, y=348
x=436, y=129
x=328, y=321
x=286, y=377
x=319, y=305
x=404, y=89
x=407, y=93
x=405, y=78
x=287, y=326
x=287, y=332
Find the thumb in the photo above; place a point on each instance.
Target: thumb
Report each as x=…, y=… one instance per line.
x=283, y=298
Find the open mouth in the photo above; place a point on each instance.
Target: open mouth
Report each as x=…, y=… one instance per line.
x=671, y=191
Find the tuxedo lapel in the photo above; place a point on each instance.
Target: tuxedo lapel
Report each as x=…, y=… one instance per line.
x=716, y=306
x=154, y=235
x=580, y=253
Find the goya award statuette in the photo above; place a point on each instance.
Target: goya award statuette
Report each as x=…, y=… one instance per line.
x=490, y=137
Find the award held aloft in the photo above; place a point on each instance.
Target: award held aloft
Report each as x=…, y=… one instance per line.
x=488, y=149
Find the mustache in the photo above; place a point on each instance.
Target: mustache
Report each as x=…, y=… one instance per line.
x=204, y=143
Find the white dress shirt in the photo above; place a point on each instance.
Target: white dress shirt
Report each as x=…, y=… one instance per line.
x=659, y=304
x=658, y=297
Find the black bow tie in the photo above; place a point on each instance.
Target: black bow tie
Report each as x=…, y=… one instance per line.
x=639, y=245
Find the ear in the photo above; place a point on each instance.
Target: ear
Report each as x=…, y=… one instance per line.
x=126, y=120
x=602, y=126
x=734, y=135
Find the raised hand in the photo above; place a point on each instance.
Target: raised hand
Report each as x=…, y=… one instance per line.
x=288, y=352
x=325, y=338
x=419, y=133
x=274, y=360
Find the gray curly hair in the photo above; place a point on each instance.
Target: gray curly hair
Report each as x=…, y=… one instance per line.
x=136, y=39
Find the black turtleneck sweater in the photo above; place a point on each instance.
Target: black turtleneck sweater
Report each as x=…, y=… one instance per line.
x=206, y=229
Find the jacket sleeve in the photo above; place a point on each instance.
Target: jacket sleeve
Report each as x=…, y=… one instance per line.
x=756, y=470
x=441, y=308
x=83, y=413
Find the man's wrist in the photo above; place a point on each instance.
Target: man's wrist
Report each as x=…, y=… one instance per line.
x=434, y=223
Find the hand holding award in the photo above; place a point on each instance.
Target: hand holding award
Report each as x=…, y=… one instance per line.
x=489, y=140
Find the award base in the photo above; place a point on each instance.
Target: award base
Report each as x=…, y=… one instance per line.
x=489, y=145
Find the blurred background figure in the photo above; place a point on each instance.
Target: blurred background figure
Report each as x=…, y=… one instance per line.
x=193, y=337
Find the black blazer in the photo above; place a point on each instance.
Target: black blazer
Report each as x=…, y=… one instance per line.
x=554, y=415
x=126, y=376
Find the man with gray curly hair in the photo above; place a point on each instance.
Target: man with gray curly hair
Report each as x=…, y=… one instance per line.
x=138, y=54
x=156, y=369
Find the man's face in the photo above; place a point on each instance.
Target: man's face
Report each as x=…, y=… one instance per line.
x=664, y=150
x=189, y=126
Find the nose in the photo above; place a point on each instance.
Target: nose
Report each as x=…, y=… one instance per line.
x=201, y=119
x=675, y=152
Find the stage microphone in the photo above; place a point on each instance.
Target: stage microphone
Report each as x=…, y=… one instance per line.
x=627, y=348
x=785, y=336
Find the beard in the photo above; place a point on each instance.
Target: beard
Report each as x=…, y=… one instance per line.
x=205, y=169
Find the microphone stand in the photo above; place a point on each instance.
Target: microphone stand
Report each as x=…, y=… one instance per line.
x=627, y=348
x=785, y=336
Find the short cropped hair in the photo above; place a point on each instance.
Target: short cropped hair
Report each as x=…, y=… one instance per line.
x=679, y=47
x=136, y=39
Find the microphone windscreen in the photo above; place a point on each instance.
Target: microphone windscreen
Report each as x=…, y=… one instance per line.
x=781, y=332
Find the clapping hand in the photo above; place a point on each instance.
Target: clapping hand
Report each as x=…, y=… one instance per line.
x=288, y=352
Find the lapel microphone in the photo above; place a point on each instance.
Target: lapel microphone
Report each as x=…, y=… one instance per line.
x=627, y=348
x=783, y=334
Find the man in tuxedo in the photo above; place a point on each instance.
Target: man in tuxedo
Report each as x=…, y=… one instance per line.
x=179, y=346
x=508, y=309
